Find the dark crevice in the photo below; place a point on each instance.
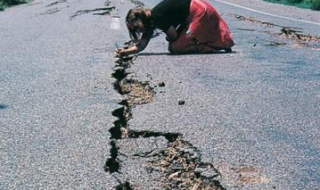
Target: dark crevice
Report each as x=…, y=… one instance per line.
x=124, y=103
x=171, y=137
x=218, y=184
x=56, y=2
x=102, y=13
x=106, y=10
x=122, y=114
x=121, y=122
x=119, y=75
x=51, y=11
x=124, y=186
x=125, y=61
x=253, y=20
x=113, y=164
x=115, y=131
x=138, y=3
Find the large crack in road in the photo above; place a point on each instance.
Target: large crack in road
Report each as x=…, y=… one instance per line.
x=178, y=163
x=292, y=34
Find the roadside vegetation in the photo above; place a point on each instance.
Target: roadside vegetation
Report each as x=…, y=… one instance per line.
x=308, y=4
x=8, y=3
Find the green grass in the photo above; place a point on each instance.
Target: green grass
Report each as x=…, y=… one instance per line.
x=8, y=3
x=308, y=4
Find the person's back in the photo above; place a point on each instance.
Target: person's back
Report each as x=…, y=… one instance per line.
x=170, y=13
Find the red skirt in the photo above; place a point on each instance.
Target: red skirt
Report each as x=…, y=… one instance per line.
x=205, y=26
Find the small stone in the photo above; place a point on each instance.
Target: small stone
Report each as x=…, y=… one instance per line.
x=149, y=169
x=181, y=102
x=161, y=84
x=199, y=170
x=209, y=174
x=174, y=175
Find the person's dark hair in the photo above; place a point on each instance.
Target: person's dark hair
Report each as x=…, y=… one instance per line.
x=134, y=14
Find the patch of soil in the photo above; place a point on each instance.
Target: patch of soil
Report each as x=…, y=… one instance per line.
x=136, y=92
x=249, y=175
x=182, y=168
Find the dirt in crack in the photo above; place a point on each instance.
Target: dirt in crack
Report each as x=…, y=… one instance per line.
x=98, y=11
x=181, y=167
x=179, y=163
x=296, y=35
x=136, y=92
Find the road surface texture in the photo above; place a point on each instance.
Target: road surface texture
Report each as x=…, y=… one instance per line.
x=253, y=114
x=56, y=96
x=74, y=117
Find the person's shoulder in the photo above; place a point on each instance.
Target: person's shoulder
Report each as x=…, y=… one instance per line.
x=168, y=3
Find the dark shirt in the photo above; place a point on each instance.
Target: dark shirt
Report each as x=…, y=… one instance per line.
x=170, y=12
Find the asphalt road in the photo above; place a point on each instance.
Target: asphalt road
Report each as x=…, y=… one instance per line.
x=56, y=96
x=253, y=113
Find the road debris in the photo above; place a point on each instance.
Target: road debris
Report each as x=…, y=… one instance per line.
x=181, y=102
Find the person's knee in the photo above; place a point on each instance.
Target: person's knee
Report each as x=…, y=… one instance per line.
x=176, y=48
x=172, y=48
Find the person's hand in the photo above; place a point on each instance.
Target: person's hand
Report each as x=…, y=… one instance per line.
x=120, y=52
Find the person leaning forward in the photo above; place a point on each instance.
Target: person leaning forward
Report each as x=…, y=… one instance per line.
x=191, y=26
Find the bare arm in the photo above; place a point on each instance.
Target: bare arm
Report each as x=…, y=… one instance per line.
x=140, y=46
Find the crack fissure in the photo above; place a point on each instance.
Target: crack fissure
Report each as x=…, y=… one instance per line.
x=291, y=33
x=98, y=11
x=56, y=2
x=179, y=163
x=112, y=164
x=170, y=137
